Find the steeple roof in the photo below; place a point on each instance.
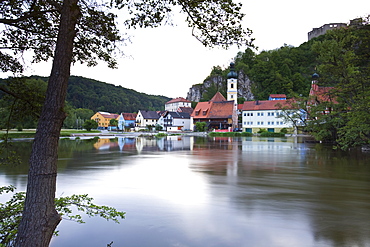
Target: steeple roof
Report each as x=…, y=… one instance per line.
x=232, y=74
x=218, y=97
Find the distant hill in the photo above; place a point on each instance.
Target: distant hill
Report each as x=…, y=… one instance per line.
x=100, y=96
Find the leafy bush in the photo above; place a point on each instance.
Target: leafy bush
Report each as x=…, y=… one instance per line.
x=284, y=131
x=200, y=126
x=271, y=134
x=262, y=131
x=159, y=135
x=229, y=134
x=11, y=212
x=90, y=124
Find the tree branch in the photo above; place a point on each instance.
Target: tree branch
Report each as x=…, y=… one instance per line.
x=20, y=98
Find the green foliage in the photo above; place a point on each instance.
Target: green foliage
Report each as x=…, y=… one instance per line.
x=113, y=122
x=286, y=70
x=11, y=212
x=229, y=134
x=21, y=101
x=90, y=124
x=241, y=100
x=216, y=84
x=262, y=131
x=76, y=117
x=158, y=127
x=344, y=63
x=284, y=131
x=99, y=96
x=272, y=134
x=201, y=126
x=23, y=98
x=160, y=135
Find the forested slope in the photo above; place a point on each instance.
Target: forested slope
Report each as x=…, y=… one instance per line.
x=99, y=96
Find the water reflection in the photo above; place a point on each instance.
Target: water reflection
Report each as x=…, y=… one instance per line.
x=191, y=191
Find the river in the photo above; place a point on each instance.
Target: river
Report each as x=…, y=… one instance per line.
x=195, y=191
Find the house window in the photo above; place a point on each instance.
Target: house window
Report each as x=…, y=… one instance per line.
x=268, y=123
x=272, y=114
x=258, y=114
x=258, y=123
x=281, y=123
x=232, y=85
x=261, y=113
x=262, y=123
x=245, y=114
x=244, y=123
x=272, y=123
x=251, y=123
x=268, y=114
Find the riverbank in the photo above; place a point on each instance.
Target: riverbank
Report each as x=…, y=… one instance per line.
x=83, y=134
x=30, y=133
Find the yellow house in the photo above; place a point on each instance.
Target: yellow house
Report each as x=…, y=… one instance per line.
x=103, y=118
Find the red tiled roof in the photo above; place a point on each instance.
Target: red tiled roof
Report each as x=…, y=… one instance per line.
x=218, y=97
x=263, y=105
x=179, y=99
x=205, y=110
x=277, y=96
x=129, y=116
x=221, y=109
x=186, y=109
x=322, y=94
x=108, y=115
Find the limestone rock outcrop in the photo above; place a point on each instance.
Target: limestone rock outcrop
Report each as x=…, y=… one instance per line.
x=244, y=87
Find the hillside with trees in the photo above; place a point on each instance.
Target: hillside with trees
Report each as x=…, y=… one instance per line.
x=285, y=70
x=84, y=98
x=100, y=96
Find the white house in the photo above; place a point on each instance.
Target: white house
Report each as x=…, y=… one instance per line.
x=126, y=120
x=175, y=121
x=263, y=114
x=145, y=118
x=174, y=104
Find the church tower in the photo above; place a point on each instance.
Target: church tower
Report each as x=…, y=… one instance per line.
x=232, y=84
x=232, y=92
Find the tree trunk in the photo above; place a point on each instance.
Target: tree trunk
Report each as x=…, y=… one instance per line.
x=40, y=218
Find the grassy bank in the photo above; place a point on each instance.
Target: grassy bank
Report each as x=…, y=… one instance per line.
x=229, y=134
x=31, y=133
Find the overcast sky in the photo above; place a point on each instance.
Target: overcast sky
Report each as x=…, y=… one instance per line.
x=168, y=60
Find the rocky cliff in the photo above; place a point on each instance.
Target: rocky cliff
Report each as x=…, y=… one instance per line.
x=244, y=87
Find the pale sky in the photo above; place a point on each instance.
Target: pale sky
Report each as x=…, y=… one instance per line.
x=168, y=60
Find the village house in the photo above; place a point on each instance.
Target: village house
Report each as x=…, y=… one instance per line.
x=103, y=119
x=264, y=114
x=174, y=104
x=146, y=118
x=126, y=121
x=217, y=113
x=175, y=121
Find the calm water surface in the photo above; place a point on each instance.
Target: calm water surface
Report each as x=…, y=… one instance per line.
x=190, y=192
